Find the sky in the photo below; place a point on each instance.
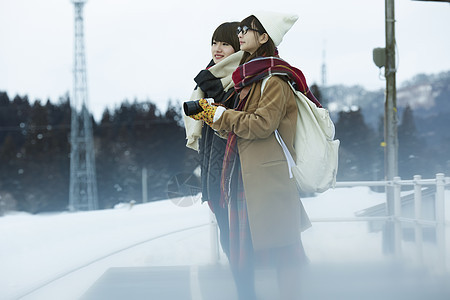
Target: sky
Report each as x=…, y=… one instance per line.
x=36, y=249
x=151, y=50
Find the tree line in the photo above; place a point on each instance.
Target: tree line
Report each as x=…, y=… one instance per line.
x=361, y=155
x=35, y=152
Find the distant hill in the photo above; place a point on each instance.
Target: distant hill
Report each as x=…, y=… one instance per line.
x=427, y=95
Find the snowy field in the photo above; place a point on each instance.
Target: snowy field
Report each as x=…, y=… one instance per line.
x=37, y=250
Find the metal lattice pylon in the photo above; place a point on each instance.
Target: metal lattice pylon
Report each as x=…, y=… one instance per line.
x=83, y=182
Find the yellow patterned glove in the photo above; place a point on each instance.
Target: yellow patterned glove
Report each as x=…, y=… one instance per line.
x=198, y=117
x=208, y=111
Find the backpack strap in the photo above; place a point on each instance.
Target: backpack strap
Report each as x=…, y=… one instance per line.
x=263, y=82
x=290, y=160
x=287, y=154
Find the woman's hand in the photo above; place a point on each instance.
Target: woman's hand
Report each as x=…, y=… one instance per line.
x=208, y=112
x=198, y=117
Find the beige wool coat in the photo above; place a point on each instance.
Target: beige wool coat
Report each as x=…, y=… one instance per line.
x=275, y=213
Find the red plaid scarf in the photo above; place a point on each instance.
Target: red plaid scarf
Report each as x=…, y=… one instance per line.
x=229, y=161
x=261, y=67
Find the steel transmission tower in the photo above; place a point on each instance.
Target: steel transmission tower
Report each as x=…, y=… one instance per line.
x=83, y=182
x=324, y=67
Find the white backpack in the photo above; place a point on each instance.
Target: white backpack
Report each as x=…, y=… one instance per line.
x=317, y=151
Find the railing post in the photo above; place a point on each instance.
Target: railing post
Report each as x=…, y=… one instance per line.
x=144, y=185
x=440, y=220
x=397, y=215
x=418, y=233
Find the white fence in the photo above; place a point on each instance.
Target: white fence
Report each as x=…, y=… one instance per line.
x=439, y=222
x=396, y=218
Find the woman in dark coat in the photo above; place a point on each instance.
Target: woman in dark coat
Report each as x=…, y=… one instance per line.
x=215, y=83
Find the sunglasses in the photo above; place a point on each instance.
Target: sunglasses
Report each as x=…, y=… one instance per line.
x=244, y=30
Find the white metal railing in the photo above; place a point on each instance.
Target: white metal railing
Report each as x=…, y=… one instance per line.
x=419, y=222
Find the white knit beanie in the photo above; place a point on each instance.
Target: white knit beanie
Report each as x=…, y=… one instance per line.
x=276, y=24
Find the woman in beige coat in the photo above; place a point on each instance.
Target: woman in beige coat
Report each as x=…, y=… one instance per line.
x=266, y=214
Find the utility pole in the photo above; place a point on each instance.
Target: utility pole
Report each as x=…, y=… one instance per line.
x=144, y=185
x=390, y=121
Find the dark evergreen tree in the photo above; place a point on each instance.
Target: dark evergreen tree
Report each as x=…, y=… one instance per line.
x=357, y=160
x=9, y=171
x=105, y=160
x=38, y=167
x=318, y=94
x=4, y=115
x=13, y=125
x=411, y=160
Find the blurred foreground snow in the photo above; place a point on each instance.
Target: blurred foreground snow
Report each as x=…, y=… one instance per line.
x=36, y=249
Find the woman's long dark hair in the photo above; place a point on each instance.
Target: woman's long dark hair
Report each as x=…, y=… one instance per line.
x=266, y=49
x=226, y=32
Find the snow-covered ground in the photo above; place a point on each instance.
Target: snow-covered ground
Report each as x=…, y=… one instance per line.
x=35, y=250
